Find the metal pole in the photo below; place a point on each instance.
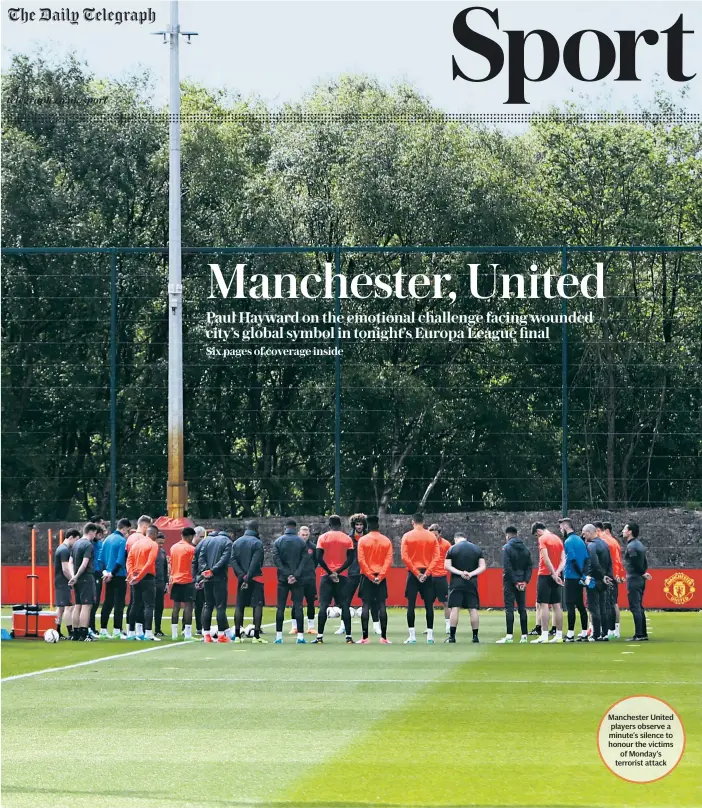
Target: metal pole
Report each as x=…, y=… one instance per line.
x=176, y=489
x=337, y=386
x=564, y=392
x=113, y=390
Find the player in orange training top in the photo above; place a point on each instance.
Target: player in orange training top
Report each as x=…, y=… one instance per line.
x=439, y=575
x=549, y=586
x=182, y=582
x=141, y=576
x=374, y=559
x=420, y=553
x=335, y=555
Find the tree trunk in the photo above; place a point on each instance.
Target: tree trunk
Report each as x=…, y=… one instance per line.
x=432, y=484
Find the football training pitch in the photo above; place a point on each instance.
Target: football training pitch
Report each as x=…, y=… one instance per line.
x=183, y=725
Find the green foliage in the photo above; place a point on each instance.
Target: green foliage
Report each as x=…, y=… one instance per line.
x=444, y=426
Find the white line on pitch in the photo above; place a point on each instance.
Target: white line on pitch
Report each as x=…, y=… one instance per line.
x=105, y=658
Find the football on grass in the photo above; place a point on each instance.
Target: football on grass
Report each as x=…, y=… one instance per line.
x=51, y=635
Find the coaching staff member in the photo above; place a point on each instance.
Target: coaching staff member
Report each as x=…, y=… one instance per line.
x=465, y=562
x=309, y=580
x=636, y=565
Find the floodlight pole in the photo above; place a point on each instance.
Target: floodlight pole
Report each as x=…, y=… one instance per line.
x=177, y=489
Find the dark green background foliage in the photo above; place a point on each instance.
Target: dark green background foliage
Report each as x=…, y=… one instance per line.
x=430, y=424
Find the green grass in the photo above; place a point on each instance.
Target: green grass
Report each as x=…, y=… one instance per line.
x=194, y=725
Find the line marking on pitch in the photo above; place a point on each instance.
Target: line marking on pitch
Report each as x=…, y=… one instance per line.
x=106, y=658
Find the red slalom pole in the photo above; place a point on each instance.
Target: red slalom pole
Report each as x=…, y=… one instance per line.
x=34, y=566
x=51, y=571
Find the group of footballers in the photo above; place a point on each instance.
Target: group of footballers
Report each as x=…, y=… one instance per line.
x=196, y=573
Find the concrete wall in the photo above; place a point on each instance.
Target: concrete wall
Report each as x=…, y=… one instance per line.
x=673, y=536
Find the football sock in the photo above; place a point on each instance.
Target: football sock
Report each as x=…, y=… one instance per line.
x=149, y=633
x=310, y=622
x=430, y=634
x=188, y=632
x=174, y=631
x=559, y=635
x=475, y=632
x=509, y=636
x=279, y=635
x=571, y=633
x=452, y=630
x=412, y=634
x=139, y=628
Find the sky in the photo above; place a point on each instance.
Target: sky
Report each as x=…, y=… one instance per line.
x=278, y=50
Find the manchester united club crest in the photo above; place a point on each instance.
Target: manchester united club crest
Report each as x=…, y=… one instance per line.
x=679, y=588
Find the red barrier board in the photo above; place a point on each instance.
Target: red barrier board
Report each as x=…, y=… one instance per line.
x=670, y=588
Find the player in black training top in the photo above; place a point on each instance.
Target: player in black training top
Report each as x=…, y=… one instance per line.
x=289, y=556
x=83, y=582
x=63, y=572
x=601, y=574
x=465, y=562
x=517, y=568
x=247, y=562
x=161, y=581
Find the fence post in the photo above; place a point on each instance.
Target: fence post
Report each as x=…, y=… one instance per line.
x=113, y=389
x=564, y=392
x=337, y=383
